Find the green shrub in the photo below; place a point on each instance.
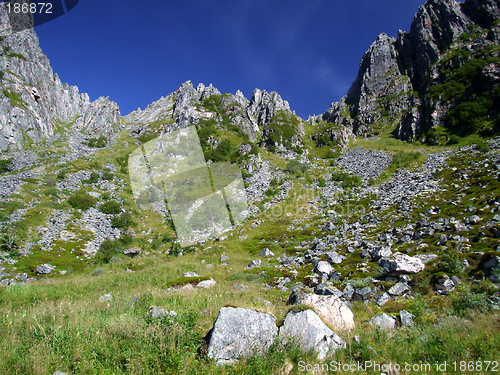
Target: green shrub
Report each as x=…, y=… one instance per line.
x=454, y=139
x=81, y=201
x=61, y=175
x=94, y=178
x=347, y=181
x=97, y=142
x=122, y=221
x=51, y=192
x=224, y=147
x=324, y=140
x=107, y=175
x=482, y=147
x=450, y=263
x=108, y=250
x=111, y=208
x=466, y=300
x=122, y=161
x=5, y=166
x=296, y=167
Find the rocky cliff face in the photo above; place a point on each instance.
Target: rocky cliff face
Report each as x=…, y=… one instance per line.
x=187, y=106
x=396, y=74
x=33, y=99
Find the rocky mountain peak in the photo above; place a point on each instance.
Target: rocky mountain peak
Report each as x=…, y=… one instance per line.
x=395, y=73
x=376, y=68
x=264, y=106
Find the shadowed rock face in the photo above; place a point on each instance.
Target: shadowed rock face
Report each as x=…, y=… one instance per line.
x=34, y=98
x=394, y=70
x=436, y=25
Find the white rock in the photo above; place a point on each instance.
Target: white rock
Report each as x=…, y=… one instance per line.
x=206, y=284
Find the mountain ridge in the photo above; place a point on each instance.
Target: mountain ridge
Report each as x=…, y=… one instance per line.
x=396, y=73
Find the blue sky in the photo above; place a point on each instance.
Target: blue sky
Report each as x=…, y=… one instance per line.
x=135, y=52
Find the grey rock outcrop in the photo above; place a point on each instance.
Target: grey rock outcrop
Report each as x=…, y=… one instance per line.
x=310, y=333
x=240, y=333
x=37, y=98
x=435, y=26
x=264, y=106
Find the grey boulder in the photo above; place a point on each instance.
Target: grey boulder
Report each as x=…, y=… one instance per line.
x=399, y=289
x=383, y=321
x=207, y=284
x=382, y=299
x=335, y=258
x=399, y=263
x=310, y=333
x=331, y=309
x=240, y=333
x=406, y=318
x=44, y=269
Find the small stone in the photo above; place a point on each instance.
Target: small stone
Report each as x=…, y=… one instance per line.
x=224, y=257
x=106, y=298
x=323, y=268
x=240, y=288
x=158, y=312
x=266, y=253
x=348, y=292
x=324, y=290
x=399, y=263
x=254, y=264
x=132, y=252
x=444, y=285
x=329, y=227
